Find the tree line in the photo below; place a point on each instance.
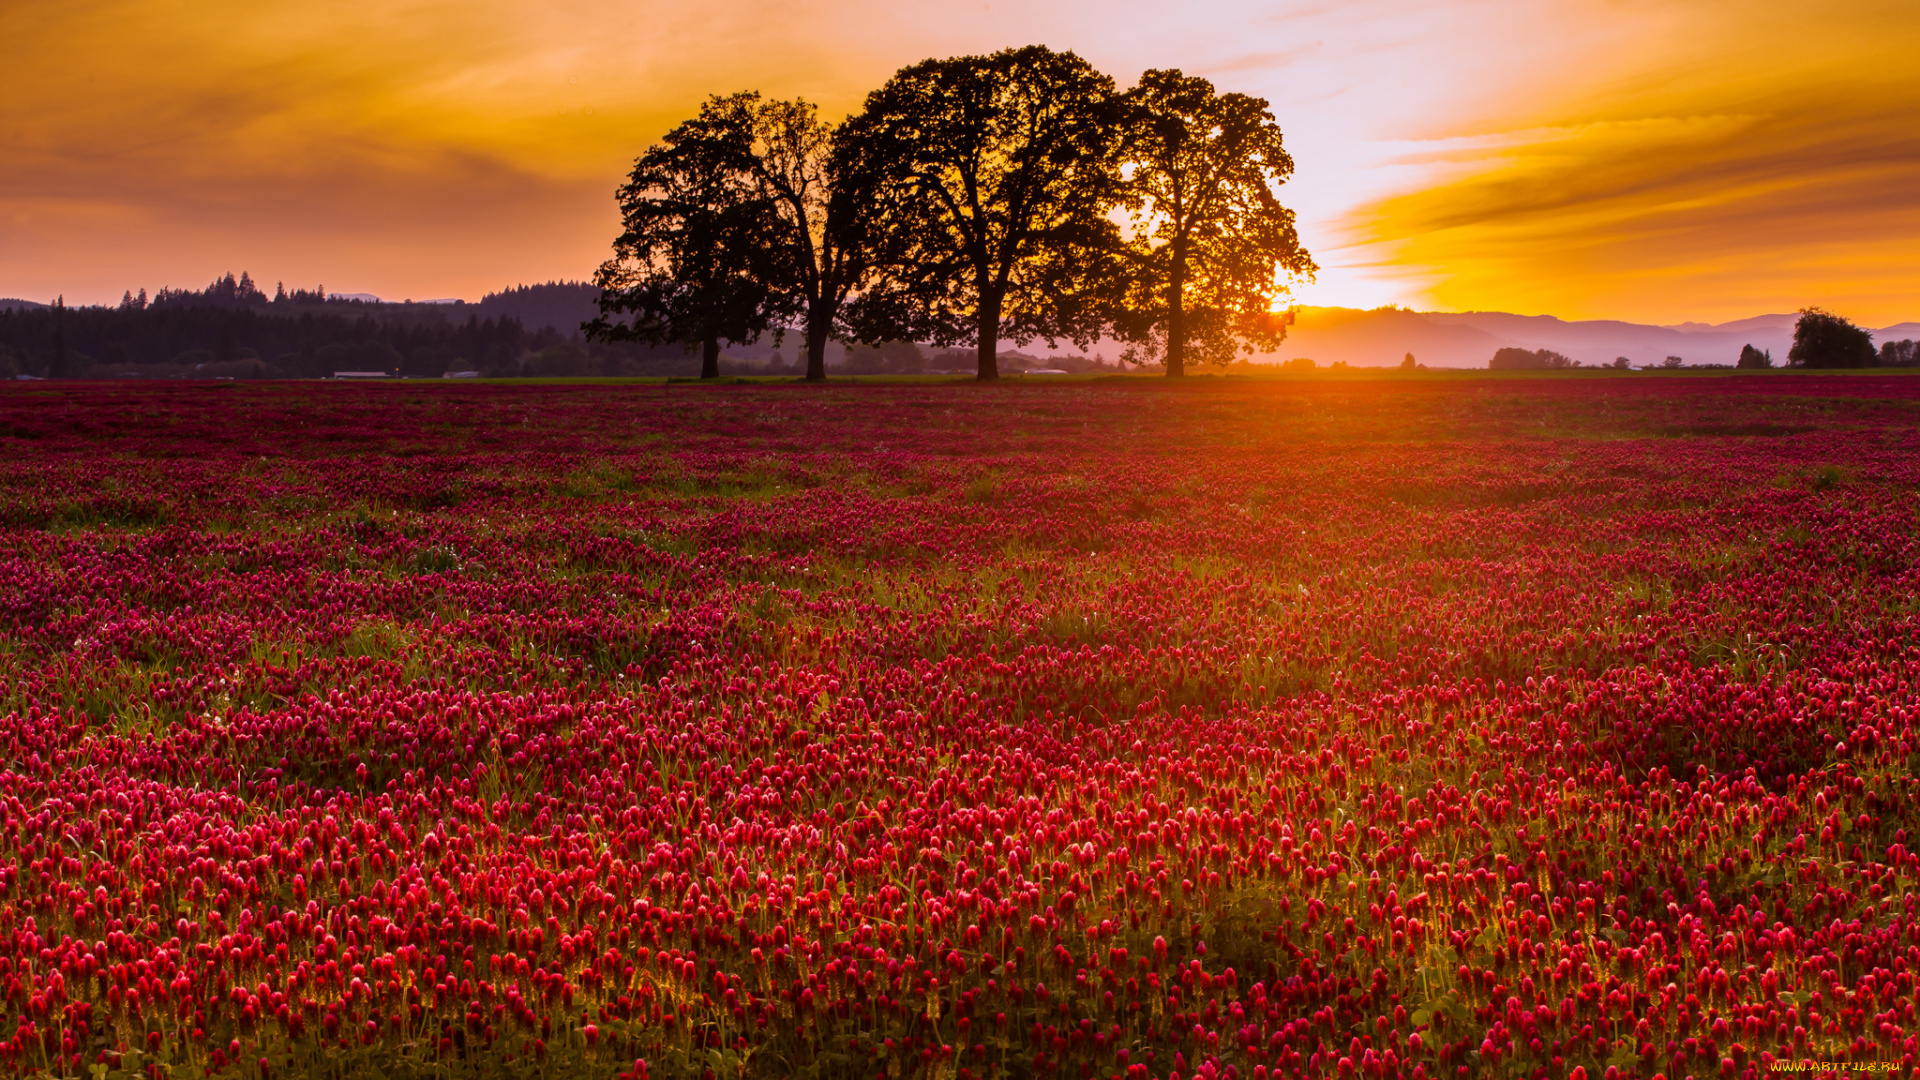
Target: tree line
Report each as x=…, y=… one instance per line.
x=233, y=329
x=972, y=200
x=1821, y=339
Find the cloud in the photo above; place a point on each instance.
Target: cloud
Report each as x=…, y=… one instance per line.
x=1557, y=154
x=1790, y=201
x=1742, y=164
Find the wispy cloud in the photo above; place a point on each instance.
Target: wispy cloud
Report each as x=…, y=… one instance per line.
x=1803, y=198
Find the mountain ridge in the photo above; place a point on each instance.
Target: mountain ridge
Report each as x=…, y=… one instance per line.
x=1382, y=336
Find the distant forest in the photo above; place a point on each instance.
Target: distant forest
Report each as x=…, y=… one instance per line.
x=232, y=329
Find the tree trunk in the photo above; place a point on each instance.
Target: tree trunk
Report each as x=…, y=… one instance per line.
x=989, y=333
x=1177, y=315
x=710, y=358
x=818, y=326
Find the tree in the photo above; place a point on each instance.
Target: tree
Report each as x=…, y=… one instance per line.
x=692, y=264
x=1822, y=339
x=1209, y=246
x=1621, y=363
x=825, y=205
x=1517, y=359
x=1408, y=364
x=59, y=367
x=994, y=175
x=1751, y=357
x=1673, y=363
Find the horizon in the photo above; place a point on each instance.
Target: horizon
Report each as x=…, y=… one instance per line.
x=547, y=314
x=1655, y=164
x=1683, y=326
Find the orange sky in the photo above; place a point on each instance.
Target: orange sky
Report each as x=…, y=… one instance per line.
x=1653, y=160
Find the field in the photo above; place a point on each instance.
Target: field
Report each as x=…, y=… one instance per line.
x=1426, y=726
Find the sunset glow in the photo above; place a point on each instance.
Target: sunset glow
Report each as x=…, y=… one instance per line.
x=1625, y=159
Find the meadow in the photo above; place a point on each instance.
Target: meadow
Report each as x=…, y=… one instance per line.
x=1426, y=726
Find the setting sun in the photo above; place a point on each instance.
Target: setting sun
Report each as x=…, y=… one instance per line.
x=1645, y=161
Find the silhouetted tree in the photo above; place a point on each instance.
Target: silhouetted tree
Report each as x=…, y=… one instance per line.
x=995, y=175
x=1210, y=246
x=692, y=265
x=1751, y=357
x=1899, y=353
x=59, y=370
x=1822, y=339
x=1408, y=363
x=1517, y=359
x=824, y=211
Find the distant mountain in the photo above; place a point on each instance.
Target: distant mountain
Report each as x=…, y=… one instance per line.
x=1758, y=322
x=1381, y=337
x=11, y=304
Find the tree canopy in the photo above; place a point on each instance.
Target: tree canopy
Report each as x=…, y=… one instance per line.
x=1516, y=359
x=1822, y=339
x=692, y=264
x=825, y=206
x=971, y=200
x=1210, y=246
x=996, y=174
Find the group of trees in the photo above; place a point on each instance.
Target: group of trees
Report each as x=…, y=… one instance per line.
x=239, y=333
x=1821, y=339
x=973, y=200
x=1517, y=359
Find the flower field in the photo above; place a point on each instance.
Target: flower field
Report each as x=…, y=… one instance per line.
x=1432, y=727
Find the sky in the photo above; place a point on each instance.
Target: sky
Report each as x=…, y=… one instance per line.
x=1649, y=160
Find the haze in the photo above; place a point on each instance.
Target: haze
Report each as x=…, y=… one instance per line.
x=1655, y=162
